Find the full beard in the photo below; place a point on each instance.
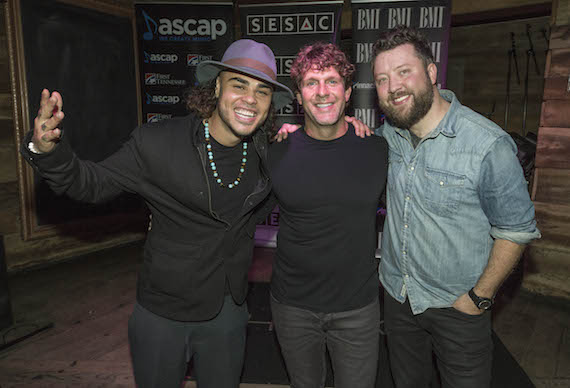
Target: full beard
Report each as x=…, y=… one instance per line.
x=423, y=100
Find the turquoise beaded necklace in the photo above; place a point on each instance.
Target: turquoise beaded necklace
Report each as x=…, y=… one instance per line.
x=213, y=163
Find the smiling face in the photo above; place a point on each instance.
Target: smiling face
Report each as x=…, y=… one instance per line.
x=404, y=85
x=243, y=106
x=323, y=96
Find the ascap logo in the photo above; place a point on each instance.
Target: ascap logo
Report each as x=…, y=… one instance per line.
x=162, y=79
x=162, y=99
x=290, y=24
x=156, y=117
x=156, y=58
x=284, y=65
x=195, y=59
x=184, y=29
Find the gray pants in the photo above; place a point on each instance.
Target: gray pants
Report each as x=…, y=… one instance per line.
x=351, y=337
x=161, y=348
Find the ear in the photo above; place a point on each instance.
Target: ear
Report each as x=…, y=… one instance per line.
x=217, y=90
x=299, y=98
x=347, y=93
x=432, y=71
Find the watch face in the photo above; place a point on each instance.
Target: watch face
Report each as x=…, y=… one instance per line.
x=485, y=304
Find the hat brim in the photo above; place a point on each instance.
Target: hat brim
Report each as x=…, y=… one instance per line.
x=208, y=70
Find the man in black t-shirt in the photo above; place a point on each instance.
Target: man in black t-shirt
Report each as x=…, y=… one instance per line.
x=328, y=184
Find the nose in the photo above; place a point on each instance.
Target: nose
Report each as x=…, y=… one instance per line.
x=322, y=89
x=394, y=84
x=249, y=97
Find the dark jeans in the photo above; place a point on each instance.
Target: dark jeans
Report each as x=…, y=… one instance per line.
x=161, y=348
x=462, y=345
x=352, y=339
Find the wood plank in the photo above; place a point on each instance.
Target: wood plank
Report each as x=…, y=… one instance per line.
x=57, y=373
x=544, y=343
x=553, y=221
x=555, y=113
x=558, y=63
x=552, y=186
x=559, y=37
x=553, y=147
x=556, y=88
x=89, y=340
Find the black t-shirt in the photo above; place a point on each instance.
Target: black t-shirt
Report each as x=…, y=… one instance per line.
x=226, y=202
x=328, y=193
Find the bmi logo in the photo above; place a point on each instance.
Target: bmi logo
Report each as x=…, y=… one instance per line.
x=195, y=59
x=290, y=24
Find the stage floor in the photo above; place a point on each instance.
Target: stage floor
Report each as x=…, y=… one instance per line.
x=80, y=310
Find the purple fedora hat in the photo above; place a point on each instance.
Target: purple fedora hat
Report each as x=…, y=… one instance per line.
x=250, y=58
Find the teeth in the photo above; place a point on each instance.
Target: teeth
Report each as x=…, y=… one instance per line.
x=324, y=105
x=243, y=112
x=399, y=99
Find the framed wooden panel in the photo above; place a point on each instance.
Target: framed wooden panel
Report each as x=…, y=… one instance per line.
x=552, y=186
x=555, y=113
x=86, y=50
x=553, y=148
x=557, y=88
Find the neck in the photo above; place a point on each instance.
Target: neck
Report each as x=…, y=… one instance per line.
x=220, y=131
x=434, y=116
x=326, y=132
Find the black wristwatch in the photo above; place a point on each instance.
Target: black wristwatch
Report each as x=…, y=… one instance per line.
x=481, y=303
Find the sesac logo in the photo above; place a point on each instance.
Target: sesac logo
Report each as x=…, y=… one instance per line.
x=161, y=99
x=156, y=117
x=162, y=79
x=290, y=24
x=156, y=58
x=195, y=59
x=184, y=30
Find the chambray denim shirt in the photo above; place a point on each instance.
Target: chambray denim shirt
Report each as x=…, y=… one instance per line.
x=447, y=200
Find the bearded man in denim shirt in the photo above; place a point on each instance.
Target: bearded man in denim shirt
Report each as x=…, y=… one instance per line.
x=459, y=216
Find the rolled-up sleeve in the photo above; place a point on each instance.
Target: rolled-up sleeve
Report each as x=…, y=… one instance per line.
x=504, y=196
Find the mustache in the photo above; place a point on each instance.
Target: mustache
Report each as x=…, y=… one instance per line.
x=398, y=94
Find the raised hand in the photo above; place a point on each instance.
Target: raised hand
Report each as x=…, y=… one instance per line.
x=46, y=131
x=360, y=128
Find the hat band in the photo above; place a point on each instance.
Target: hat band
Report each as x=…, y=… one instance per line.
x=252, y=63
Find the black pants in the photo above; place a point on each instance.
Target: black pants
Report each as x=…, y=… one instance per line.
x=351, y=337
x=462, y=345
x=161, y=348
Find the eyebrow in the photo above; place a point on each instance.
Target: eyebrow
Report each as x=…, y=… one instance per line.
x=246, y=82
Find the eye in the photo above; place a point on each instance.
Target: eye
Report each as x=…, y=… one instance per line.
x=380, y=81
x=263, y=92
x=404, y=71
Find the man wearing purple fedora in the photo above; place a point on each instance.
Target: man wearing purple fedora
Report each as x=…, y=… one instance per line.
x=204, y=180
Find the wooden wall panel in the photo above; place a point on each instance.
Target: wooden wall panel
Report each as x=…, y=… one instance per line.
x=558, y=63
x=559, y=37
x=553, y=148
x=552, y=186
x=556, y=88
x=555, y=113
x=553, y=221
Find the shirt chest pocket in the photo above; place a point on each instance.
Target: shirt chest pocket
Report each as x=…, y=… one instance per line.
x=443, y=191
